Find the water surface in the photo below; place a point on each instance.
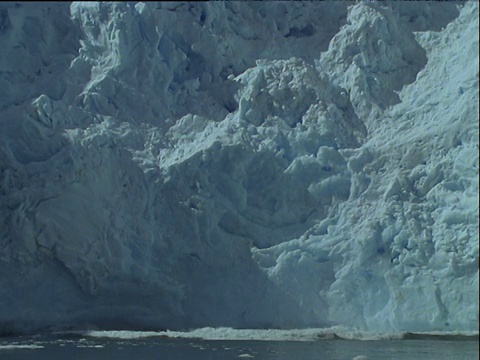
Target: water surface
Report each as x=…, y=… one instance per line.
x=42, y=347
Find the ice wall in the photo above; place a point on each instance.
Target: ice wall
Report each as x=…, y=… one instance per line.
x=260, y=164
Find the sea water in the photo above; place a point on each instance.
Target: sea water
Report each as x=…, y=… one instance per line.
x=148, y=346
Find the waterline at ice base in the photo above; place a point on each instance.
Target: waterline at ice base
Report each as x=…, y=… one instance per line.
x=239, y=165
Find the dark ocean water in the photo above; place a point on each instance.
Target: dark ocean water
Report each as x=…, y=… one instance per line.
x=78, y=347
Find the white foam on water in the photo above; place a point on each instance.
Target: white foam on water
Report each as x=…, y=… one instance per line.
x=17, y=347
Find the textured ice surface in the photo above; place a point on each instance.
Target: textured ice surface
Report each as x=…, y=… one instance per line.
x=310, y=334
x=260, y=164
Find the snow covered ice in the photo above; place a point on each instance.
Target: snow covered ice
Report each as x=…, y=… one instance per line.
x=239, y=164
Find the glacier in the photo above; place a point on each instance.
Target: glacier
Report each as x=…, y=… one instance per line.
x=178, y=165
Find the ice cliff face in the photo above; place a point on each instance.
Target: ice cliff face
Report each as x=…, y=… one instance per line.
x=239, y=164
